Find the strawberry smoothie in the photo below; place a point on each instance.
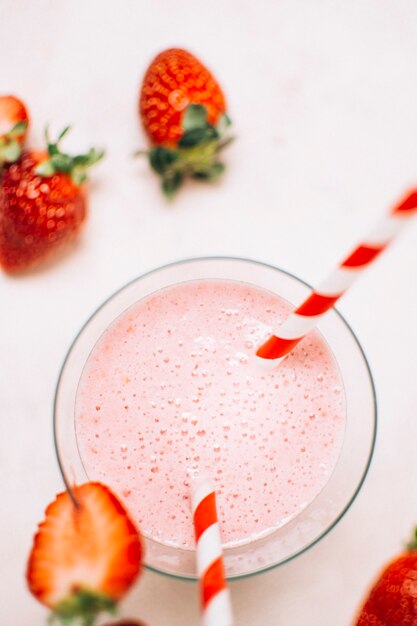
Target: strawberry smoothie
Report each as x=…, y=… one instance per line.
x=172, y=390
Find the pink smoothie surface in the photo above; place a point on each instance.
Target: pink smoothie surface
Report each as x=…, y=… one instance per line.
x=172, y=390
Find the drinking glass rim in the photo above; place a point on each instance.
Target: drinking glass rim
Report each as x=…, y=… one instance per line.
x=352, y=333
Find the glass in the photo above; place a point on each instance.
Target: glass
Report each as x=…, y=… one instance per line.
x=321, y=515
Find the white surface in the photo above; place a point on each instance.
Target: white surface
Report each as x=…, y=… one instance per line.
x=324, y=101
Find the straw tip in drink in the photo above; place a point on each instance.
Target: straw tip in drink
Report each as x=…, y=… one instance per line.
x=266, y=363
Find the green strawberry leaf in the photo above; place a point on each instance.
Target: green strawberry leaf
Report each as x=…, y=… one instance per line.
x=74, y=166
x=78, y=175
x=45, y=168
x=195, y=116
x=17, y=130
x=171, y=182
x=86, y=160
x=62, y=162
x=82, y=607
x=197, y=136
x=10, y=152
x=223, y=124
x=63, y=133
x=53, y=147
x=162, y=158
x=209, y=173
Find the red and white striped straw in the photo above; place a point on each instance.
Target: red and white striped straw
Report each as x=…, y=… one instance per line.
x=309, y=313
x=216, y=607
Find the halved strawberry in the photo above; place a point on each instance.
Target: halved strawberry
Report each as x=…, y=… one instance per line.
x=14, y=122
x=85, y=556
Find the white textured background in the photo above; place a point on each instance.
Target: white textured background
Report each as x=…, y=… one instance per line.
x=323, y=96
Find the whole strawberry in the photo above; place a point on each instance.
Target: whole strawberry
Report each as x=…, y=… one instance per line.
x=14, y=122
x=42, y=203
x=86, y=555
x=392, y=600
x=183, y=111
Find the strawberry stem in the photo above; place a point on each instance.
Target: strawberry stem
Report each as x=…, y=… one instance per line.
x=75, y=166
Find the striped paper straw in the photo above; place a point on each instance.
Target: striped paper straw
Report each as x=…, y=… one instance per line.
x=214, y=595
x=309, y=313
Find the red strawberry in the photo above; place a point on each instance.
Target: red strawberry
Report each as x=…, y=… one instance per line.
x=392, y=600
x=85, y=556
x=14, y=122
x=42, y=204
x=183, y=111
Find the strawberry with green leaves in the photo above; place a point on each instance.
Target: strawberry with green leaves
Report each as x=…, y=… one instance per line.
x=42, y=203
x=183, y=111
x=86, y=555
x=392, y=601
x=14, y=122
